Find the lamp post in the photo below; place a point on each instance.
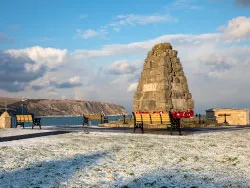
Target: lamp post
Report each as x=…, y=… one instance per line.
x=124, y=118
x=23, y=100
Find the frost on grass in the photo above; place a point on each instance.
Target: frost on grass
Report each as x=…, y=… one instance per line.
x=126, y=160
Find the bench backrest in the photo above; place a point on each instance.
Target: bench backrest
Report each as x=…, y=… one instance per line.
x=24, y=118
x=156, y=118
x=93, y=116
x=146, y=118
x=152, y=118
x=18, y=117
x=165, y=118
x=137, y=118
x=28, y=117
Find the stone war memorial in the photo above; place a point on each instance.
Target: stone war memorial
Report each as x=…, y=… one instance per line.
x=163, y=85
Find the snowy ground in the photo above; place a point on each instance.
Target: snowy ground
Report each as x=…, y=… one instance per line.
x=99, y=159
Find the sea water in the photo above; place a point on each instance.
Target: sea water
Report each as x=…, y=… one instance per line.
x=67, y=120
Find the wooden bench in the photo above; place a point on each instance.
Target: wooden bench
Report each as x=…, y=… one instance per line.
x=22, y=119
x=87, y=117
x=141, y=119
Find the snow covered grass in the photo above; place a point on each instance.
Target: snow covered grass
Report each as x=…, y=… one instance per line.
x=216, y=159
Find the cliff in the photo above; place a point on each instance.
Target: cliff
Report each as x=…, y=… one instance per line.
x=45, y=107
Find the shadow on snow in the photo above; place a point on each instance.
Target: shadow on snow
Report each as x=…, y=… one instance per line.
x=34, y=135
x=49, y=173
x=176, y=178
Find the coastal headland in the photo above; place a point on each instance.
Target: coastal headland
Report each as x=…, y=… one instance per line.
x=47, y=107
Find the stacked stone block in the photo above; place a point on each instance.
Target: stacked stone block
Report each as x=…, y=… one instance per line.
x=163, y=85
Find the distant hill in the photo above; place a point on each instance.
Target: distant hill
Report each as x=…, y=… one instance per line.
x=9, y=100
x=46, y=107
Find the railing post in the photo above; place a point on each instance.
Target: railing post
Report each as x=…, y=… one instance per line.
x=124, y=120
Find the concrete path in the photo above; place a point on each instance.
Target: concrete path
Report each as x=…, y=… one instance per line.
x=185, y=131
x=27, y=133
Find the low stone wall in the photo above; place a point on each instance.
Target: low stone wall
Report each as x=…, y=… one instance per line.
x=234, y=116
x=186, y=123
x=121, y=125
x=116, y=125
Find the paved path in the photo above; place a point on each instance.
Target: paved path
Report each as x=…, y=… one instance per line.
x=185, y=131
x=53, y=130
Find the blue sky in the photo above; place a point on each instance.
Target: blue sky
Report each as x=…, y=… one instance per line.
x=54, y=23
x=79, y=49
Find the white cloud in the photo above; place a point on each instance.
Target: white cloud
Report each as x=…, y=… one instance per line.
x=90, y=33
x=185, y=5
x=237, y=29
x=137, y=19
x=217, y=73
x=124, y=20
x=14, y=72
x=218, y=62
x=71, y=83
x=143, y=47
x=218, y=77
x=208, y=62
x=78, y=94
x=87, y=33
x=190, y=48
x=49, y=83
x=49, y=57
x=122, y=67
x=116, y=81
x=75, y=80
x=117, y=29
x=132, y=87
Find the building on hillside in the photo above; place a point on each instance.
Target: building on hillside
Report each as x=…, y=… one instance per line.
x=230, y=116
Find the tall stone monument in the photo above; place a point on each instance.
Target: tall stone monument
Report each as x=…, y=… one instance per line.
x=163, y=85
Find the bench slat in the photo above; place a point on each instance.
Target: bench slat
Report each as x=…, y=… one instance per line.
x=92, y=116
x=138, y=117
x=146, y=118
x=30, y=118
x=165, y=116
x=18, y=117
x=22, y=118
x=165, y=119
x=156, y=118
